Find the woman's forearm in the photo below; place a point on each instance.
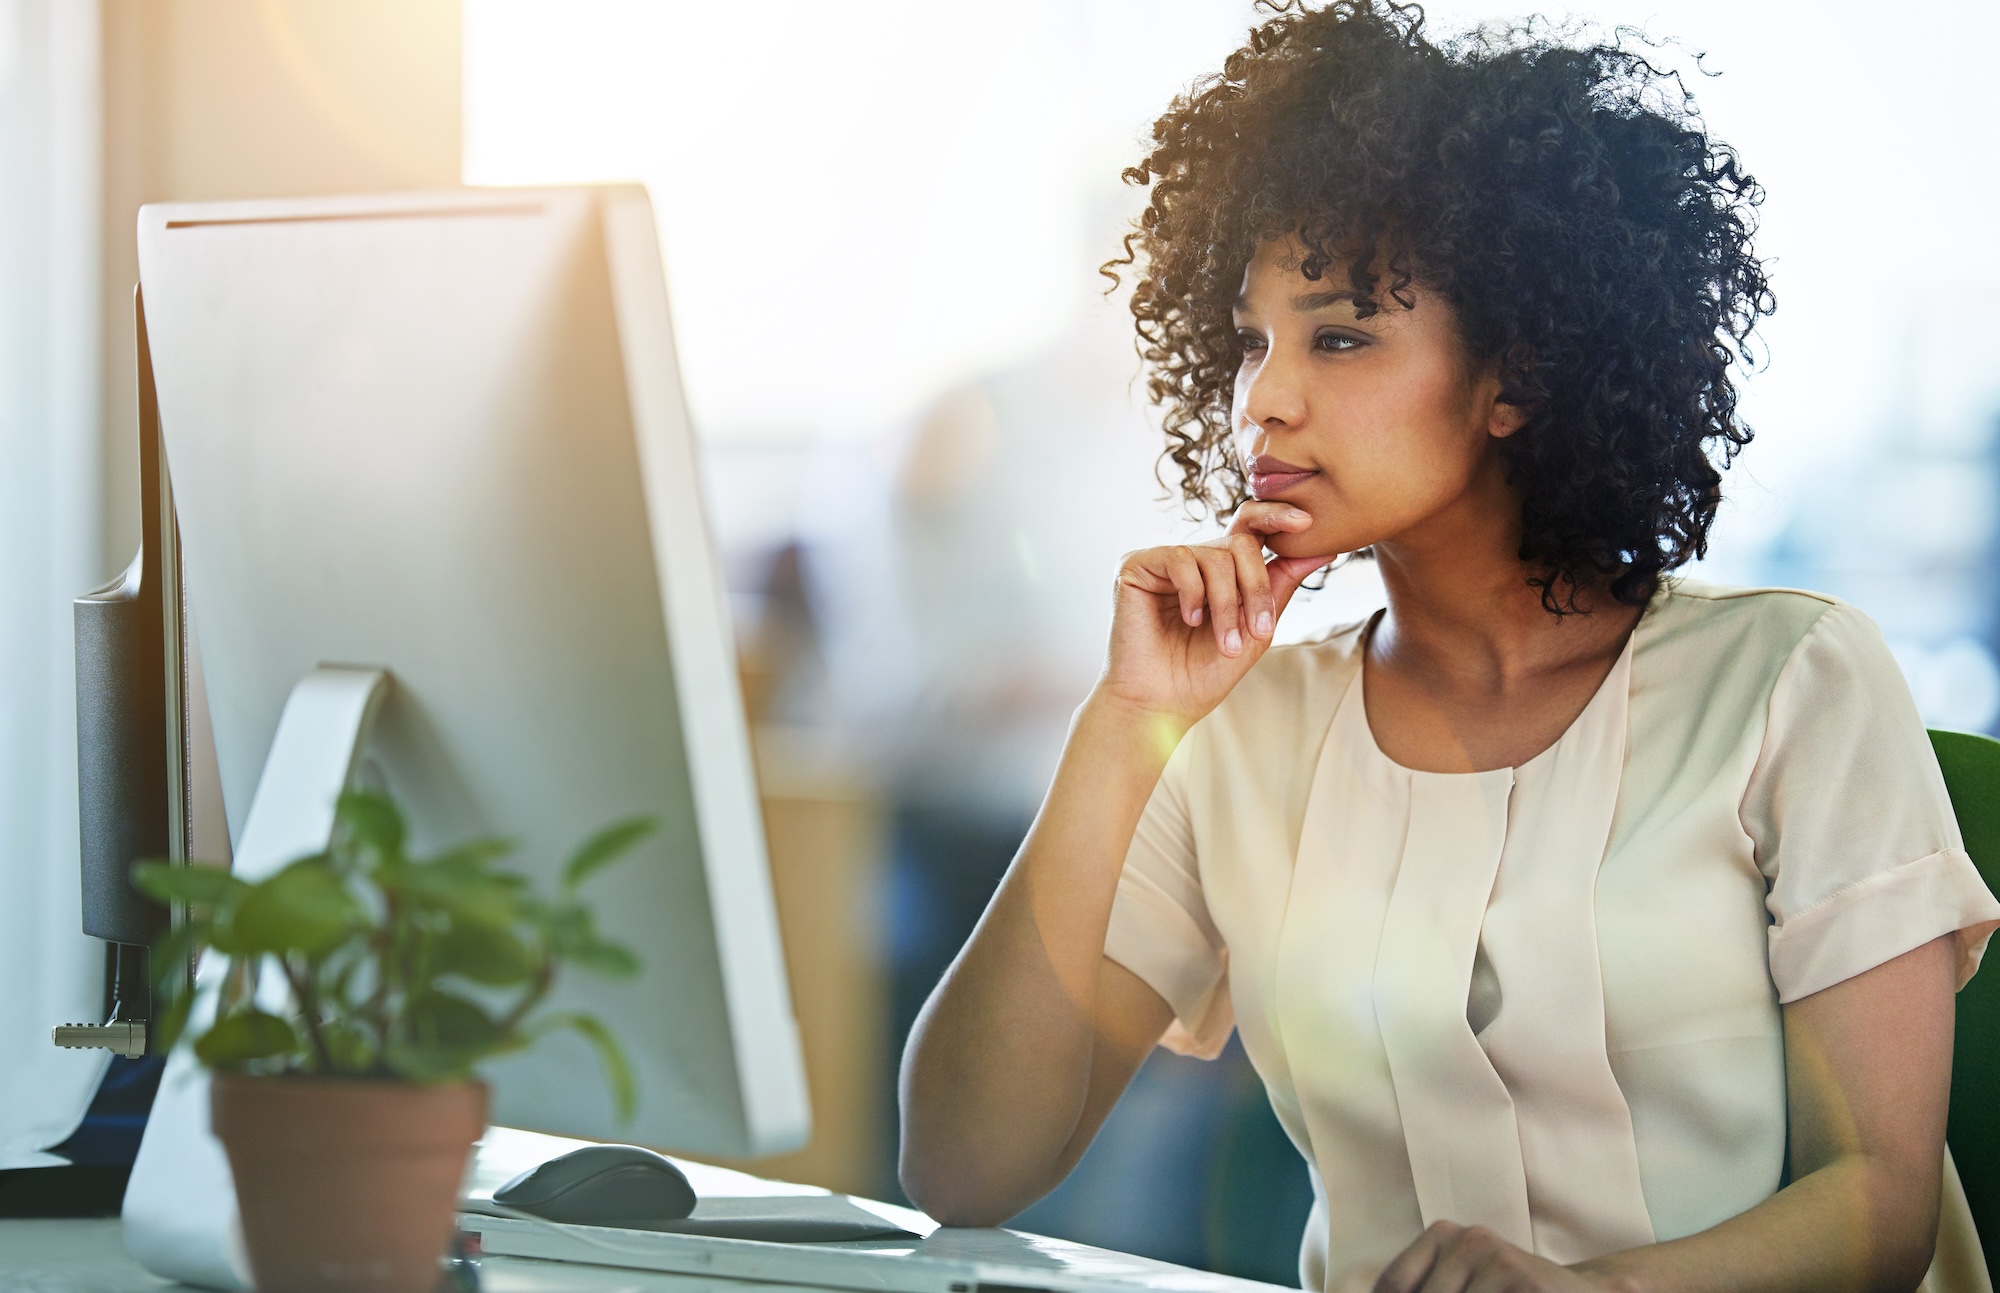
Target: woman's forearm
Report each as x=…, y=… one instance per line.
x=1856, y=1224
x=998, y=1071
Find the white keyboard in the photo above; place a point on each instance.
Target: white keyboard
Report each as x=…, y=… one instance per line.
x=937, y=1260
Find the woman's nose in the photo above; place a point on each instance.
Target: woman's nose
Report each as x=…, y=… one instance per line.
x=1276, y=397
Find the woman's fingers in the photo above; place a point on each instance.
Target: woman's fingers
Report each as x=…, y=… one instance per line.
x=1218, y=568
x=1450, y=1258
x=1261, y=520
x=1465, y=1255
x=1189, y=586
x=1260, y=517
x=1260, y=609
x=1406, y=1274
x=1201, y=579
x=1225, y=584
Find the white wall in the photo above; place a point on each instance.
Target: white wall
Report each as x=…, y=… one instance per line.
x=862, y=202
x=49, y=552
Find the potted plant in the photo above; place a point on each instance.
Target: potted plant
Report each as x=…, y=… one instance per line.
x=362, y=989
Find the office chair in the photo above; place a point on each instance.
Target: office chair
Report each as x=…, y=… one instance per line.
x=1971, y=767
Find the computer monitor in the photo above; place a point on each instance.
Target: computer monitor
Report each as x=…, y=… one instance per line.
x=442, y=435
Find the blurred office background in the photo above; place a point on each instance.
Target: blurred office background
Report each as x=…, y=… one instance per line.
x=924, y=446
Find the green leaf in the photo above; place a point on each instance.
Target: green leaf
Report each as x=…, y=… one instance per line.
x=450, y=1027
x=304, y=908
x=611, y=960
x=606, y=847
x=474, y=855
x=247, y=1035
x=483, y=953
x=220, y=938
x=366, y=921
x=371, y=820
x=565, y=928
x=350, y=1049
x=197, y=884
x=624, y=1092
x=466, y=890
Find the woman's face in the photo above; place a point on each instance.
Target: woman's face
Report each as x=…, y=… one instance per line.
x=1378, y=428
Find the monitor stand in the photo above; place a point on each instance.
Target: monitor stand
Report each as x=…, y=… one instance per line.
x=180, y=1207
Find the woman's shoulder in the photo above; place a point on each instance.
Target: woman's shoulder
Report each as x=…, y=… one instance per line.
x=1702, y=635
x=1688, y=612
x=1700, y=598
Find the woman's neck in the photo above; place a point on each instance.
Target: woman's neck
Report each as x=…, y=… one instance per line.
x=1487, y=626
x=1461, y=600
x=1468, y=669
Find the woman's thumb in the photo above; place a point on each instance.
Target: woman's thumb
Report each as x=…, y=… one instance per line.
x=1287, y=573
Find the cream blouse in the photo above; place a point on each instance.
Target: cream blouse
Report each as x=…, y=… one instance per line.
x=1545, y=999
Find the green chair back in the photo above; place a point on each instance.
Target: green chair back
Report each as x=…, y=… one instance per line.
x=1971, y=767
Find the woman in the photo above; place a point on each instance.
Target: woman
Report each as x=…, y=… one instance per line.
x=1590, y=929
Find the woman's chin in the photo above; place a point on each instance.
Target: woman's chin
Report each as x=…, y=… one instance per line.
x=1308, y=544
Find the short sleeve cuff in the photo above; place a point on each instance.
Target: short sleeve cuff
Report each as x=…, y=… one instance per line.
x=1151, y=936
x=1878, y=919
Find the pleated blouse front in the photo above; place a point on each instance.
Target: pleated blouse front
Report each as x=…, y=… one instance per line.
x=1545, y=999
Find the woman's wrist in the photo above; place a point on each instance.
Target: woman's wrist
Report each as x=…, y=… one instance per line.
x=1119, y=721
x=1611, y=1274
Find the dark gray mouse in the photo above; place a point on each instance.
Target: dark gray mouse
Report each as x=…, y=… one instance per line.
x=601, y=1185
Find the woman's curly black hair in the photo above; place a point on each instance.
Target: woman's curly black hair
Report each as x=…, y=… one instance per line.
x=1568, y=203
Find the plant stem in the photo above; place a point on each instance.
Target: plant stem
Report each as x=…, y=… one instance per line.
x=545, y=978
x=406, y=953
x=231, y=990
x=302, y=990
x=376, y=1008
x=383, y=944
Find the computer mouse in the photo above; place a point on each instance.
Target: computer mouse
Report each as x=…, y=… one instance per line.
x=601, y=1185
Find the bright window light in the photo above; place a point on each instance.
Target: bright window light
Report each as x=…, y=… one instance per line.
x=862, y=204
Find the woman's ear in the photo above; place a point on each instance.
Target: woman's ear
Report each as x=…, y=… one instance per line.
x=1503, y=420
x=1504, y=417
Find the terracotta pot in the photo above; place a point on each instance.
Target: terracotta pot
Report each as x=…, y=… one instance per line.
x=344, y=1183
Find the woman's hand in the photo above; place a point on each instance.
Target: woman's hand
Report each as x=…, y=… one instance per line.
x=1191, y=619
x=1450, y=1258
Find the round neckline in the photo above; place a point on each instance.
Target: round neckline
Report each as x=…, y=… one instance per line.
x=1359, y=697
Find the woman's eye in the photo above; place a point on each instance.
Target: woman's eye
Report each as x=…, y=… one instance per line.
x=1334, y=342
x=1249, y=340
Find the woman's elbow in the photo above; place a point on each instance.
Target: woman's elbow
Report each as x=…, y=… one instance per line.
x=948, y=1189
x=1908, y=1258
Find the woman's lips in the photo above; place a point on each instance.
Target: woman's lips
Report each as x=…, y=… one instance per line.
x=1270, y=476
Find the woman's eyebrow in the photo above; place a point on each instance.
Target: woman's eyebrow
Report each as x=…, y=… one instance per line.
x=1313, y=301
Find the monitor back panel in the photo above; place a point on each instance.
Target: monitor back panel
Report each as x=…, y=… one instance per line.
x=401, y=433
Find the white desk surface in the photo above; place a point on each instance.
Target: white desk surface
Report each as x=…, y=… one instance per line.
x=88, y=1256
x=69, y=1257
